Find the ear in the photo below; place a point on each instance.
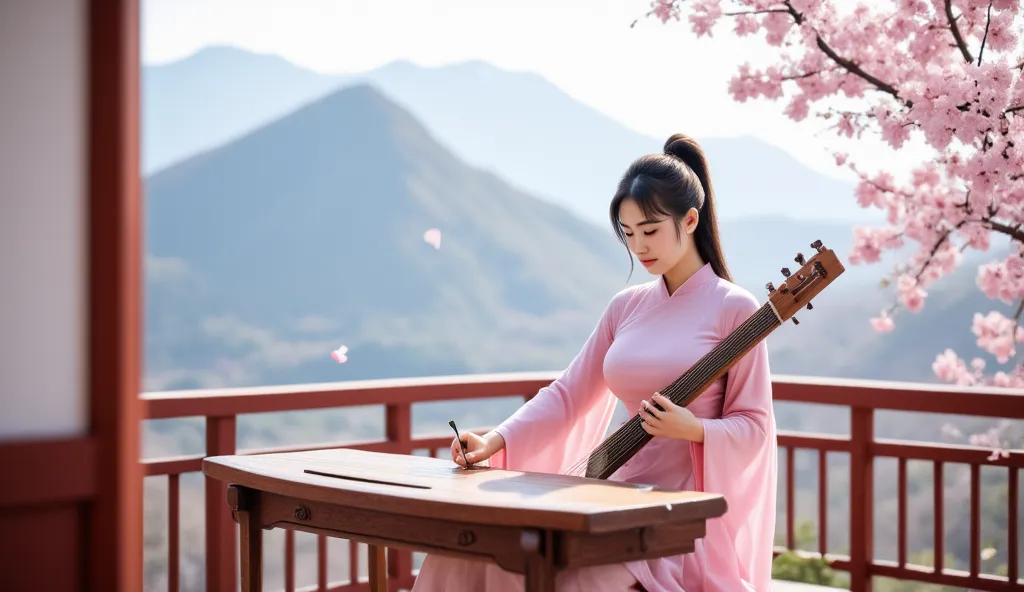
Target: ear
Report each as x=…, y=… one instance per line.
x=690, y=221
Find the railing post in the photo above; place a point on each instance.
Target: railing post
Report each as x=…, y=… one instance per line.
x=398, y=428
x=221, y=558
x=862, y=498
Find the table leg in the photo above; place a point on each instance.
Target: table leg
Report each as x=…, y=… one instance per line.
x=540, y=570
x=246, y=504
x=378, y=568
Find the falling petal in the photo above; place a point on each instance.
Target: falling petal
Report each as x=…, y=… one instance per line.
x=988, y=553
x=339, y=355
x=433, y=238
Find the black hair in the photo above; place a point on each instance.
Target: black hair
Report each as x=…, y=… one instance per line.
x=670, y=184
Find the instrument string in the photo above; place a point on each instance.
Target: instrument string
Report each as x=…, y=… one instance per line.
x=685, y=390
x=624, y=442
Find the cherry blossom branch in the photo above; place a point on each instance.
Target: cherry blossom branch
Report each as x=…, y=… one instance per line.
x=805, y=75
x=956, y=33
x=988, y=23
x=848, y=64
x=935, y=249
x=1013, y=232
x=765, y=11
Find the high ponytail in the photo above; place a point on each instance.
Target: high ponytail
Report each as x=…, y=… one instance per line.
x=706, y=235
x=670, y=184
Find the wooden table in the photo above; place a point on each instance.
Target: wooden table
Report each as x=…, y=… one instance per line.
x=535, y=524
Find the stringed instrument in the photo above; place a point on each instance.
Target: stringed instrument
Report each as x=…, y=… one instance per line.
x=783, y=303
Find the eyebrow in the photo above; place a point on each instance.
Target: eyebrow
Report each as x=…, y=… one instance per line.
x=644, y=223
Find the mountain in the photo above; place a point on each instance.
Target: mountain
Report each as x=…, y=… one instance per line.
x=269, y=252
x=517, y=125
x=216, y=96
x=530, y=131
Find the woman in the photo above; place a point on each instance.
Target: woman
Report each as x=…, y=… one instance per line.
x=724, y=442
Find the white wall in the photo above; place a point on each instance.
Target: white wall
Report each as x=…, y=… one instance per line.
x=42, y=224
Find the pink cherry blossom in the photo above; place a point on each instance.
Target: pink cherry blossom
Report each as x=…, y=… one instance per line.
x=996, y=334
x=433, y=238
x=995, y=439
x=911, y=295
x=340, y=355
x=950, y=368
x=907, y=71
x=883, y=324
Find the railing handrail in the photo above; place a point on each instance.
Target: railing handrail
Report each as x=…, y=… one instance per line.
x=292, y=397
x=885, y=395
x=221, y=408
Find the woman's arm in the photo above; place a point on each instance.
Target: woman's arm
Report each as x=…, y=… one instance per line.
x=543, y=424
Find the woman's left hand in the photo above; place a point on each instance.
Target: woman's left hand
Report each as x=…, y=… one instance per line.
x=673, y=422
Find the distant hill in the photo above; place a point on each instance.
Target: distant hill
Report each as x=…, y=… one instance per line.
x=216, y=96
x=307, y=233
x=517, y=125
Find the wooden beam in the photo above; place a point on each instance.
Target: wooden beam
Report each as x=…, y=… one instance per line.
x=47, y=472
x=114, y=525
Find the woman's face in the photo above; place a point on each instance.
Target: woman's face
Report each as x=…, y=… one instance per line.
x=654, y=241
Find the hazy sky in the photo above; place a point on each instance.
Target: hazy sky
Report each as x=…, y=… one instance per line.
x=654, y=78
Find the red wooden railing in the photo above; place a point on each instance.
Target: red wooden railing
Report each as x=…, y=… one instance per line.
x=861, y=398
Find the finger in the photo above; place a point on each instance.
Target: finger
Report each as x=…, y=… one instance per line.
x=649, y=423
x=650, y=410
x=650, y=428
x=663, y=402
x=457, y=452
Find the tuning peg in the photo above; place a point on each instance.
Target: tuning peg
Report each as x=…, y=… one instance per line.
x=785, y=271
x=800, y=258
x=770, y=287
x=817, y=246
x=810, y=306
x=796, y=321
x=800, y=277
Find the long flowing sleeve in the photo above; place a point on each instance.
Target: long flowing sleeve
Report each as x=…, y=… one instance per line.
x=568, y=418
x=738, y=459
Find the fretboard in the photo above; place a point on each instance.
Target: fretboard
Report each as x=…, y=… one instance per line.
x=630, y=437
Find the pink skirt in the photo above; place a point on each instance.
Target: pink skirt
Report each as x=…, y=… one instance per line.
x=449, y=574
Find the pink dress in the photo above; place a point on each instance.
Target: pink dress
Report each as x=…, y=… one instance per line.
x=645, y=339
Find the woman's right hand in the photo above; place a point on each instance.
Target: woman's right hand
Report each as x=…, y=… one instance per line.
x=478, y=448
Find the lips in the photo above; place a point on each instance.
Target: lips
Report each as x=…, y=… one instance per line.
x=648, y=262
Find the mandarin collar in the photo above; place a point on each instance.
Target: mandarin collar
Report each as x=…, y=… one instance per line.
x=702, y=276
